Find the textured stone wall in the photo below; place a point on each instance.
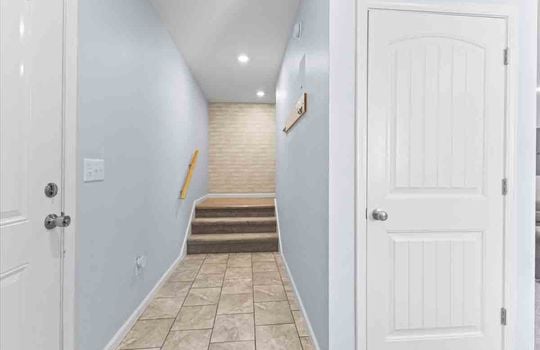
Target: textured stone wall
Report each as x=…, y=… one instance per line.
x=242, y=148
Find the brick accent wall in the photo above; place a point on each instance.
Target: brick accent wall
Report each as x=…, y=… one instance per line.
x=242, y=148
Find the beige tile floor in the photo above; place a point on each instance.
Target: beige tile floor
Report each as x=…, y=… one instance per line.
x=241, y=301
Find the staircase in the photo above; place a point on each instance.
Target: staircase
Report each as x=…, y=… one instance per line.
x=233, y=225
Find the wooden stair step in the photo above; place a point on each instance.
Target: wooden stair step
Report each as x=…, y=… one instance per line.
x=235, y=211
x=233, y=225
x=216, y=203
x=236, y=207
x=233, y=243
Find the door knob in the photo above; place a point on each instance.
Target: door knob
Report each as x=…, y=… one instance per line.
x=53, y=221
x=379, y=215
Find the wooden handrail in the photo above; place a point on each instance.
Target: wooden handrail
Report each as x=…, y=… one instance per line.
x=192, y=164
x=299, y=111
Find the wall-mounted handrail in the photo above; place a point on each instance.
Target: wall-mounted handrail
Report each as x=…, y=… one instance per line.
x=299, y=111
x=192, y=165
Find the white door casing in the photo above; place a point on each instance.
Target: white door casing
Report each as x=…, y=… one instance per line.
x=436, y=132
x=31, y=156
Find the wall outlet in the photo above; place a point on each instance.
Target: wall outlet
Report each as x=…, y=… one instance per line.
x=140, y=264
x=94, y=170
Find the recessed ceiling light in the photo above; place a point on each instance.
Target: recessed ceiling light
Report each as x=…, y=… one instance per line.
x=243, y=58
x=260, y=93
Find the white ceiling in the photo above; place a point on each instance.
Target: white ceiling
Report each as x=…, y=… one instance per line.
x=211, y=34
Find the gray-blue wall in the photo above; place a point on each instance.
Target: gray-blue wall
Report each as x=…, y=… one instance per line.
x=140, y=110
x=302, y=164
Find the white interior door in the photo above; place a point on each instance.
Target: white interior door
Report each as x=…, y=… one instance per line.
x=31, y=157
x=436, y=112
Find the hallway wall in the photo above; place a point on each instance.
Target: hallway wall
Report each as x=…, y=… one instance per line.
x=302, y=164
x=141, y=111
x=242, y=148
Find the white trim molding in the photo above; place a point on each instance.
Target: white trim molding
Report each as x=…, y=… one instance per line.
x=301, y=304
x=183, y=249
x=70, y=172
x=125, y=328
x=280, y=246
x=241, y=195
x=130, y=322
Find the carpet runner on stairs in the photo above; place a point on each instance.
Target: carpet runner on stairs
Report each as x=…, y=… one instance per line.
x=234, y=225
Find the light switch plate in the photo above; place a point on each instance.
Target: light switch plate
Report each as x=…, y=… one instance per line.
x=94, y=170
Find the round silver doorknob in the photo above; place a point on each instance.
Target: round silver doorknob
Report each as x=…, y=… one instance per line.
x=53, y=221
x=379, y=215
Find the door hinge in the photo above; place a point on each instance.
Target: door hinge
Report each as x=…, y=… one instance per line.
x=504, y=186
x=505, y=57
x=503, y=316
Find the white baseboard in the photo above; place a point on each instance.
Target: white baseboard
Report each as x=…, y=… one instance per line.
x=241, y=195
x=277, y=226
x=311, y=333
x=183, y=249
x=126, y=327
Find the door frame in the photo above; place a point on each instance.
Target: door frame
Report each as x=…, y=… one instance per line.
x=70, y=173
x=509, y=14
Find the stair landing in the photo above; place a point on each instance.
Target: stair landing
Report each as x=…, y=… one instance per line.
x=234, y=225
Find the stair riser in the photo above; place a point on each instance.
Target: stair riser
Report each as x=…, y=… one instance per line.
x=232, y=248
x=234, y=212
x=198, y=228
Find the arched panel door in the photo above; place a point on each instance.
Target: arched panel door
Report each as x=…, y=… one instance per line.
x=436, y=116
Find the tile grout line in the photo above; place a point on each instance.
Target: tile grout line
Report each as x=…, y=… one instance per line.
x=198, y=267
x=282, y=285
x=166, y=318
x=185, y=298
x=292, y=314
x=217, y=306
x=253, y=291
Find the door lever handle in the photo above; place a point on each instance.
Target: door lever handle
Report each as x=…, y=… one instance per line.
x=53, y=221
x=379, y=215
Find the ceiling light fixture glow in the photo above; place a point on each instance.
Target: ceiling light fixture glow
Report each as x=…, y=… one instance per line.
x=243, y=58
x=260, y=93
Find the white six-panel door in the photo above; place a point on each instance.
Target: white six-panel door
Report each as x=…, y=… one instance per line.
x=31, y=76
x=436, y=112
